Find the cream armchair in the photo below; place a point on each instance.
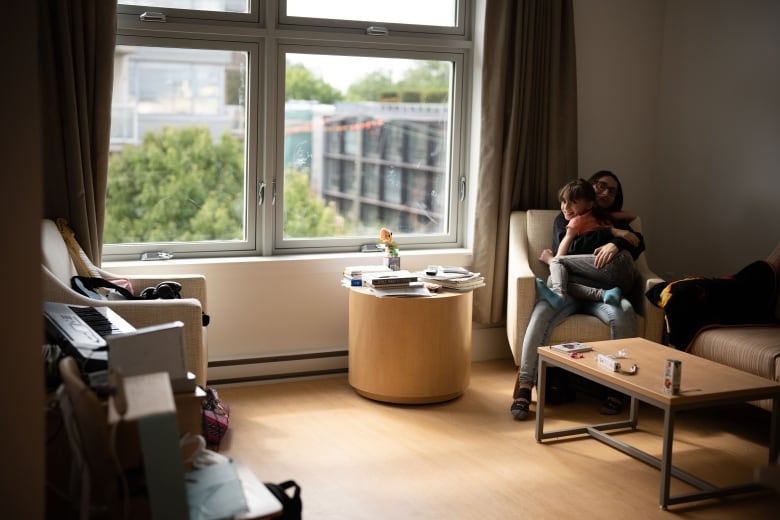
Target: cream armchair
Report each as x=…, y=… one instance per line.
x=58, y=268
x=529, y=233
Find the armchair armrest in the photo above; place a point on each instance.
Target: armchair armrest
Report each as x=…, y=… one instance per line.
x=653, y=316
x=521, y=287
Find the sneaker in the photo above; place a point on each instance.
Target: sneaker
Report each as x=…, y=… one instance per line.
x=613, y=296
x=520, y=408
x=612, y=406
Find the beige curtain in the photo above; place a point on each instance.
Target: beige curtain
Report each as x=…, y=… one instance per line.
x=76, y=48
x=529, y=129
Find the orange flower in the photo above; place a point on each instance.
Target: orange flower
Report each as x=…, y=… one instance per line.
x=386, y=237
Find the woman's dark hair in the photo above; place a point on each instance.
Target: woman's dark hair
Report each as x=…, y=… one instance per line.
x=617, y=204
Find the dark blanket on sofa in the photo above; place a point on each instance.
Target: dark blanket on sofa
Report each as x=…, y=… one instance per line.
x=692, y=304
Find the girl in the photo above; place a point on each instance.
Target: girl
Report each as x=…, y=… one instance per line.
x=606, y=283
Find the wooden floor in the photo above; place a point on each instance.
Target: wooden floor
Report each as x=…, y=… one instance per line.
x=468, y=459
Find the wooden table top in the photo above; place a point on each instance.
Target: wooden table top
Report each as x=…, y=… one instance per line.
x=702, y=380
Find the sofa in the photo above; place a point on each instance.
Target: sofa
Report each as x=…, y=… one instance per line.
x=530, y=232
x=63, y=258
x=740, y=318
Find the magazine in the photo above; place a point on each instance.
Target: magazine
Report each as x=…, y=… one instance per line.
x=572, y=346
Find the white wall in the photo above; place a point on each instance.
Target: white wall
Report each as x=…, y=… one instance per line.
x=681, y=99
x=618, y=66
x=718, y=164
x=291, y=305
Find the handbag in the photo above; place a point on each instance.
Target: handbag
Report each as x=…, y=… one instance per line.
x=88, y=286
x=292, y=505
x=216, y=417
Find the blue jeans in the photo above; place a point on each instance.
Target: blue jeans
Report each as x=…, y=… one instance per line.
x=620, y=319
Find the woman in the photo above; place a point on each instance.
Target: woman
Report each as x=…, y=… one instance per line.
x=620, y=318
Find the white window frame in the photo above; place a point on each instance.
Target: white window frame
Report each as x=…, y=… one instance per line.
x=254, y=16
x=267, y=45
x=456, y=138
x=462, y=16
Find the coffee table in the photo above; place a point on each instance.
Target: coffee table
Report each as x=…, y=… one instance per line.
x=704, y=384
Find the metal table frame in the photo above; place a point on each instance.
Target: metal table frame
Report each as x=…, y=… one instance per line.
x=598, y=432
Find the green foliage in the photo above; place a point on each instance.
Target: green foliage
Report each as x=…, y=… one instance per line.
x=371, y=87
x=411, y=96
x=300, y=84
x=234, y=87
x=426, y=81
x=426, y=75
x=436, y=96
x=178, y=185
x=306, y=215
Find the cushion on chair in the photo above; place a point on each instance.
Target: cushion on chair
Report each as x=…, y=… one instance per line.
x=81, y=261
x=56, y=257
x=752, y=349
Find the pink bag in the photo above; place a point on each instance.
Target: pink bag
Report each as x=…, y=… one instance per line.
x=216, y=418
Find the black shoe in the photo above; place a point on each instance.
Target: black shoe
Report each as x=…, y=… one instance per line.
x=612, y=406
x=520, y=408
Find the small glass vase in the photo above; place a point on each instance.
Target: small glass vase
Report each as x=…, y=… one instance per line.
x=393, y=262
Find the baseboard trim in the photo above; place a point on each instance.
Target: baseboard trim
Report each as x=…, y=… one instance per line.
x=276, y=377
x=277, y=367
x=487, y=343
x=277, y=358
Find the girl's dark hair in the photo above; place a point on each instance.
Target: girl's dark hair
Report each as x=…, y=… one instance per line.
x=582, y=190
x=617, y=204
x=577, y=190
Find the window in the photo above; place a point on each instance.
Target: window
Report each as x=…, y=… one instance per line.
x=178, y=170
x=363, y=131
x=243, y=10
x=430, y=12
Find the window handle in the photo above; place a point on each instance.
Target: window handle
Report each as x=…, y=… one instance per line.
x=260, y=193
x=462, y=194
x=273, y=192
x=152, y=16
x=374, y=30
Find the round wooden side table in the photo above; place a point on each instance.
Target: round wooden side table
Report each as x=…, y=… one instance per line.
x=409, y=350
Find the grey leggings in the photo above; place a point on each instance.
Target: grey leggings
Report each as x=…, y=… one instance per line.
x=576, y=275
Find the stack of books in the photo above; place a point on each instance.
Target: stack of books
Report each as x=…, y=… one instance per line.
x=353, y=275
x=452, y=278
x=389, y=279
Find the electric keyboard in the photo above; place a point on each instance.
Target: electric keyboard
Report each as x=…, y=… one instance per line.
x=81, y=331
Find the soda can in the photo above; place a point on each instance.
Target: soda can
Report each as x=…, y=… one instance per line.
x=672, y=374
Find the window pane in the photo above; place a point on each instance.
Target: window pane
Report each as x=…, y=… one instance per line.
x=222, y=6
x=439, y=13
x=366, y=145
x=178, y=136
